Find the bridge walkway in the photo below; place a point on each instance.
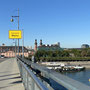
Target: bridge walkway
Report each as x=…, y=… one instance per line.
x=10, y=76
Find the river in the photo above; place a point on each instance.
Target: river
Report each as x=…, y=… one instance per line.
x=81, y=76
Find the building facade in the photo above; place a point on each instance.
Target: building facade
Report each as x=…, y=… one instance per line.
x=11, y=51
x=48, y=47
x=85, y=46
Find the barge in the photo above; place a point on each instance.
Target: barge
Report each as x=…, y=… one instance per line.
x=62, y=67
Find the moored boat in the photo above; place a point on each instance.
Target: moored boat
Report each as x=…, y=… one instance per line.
x=59, y=67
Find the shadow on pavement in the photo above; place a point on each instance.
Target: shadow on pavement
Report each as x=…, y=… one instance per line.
x=10, y=78
x=9, y=75
x=16, y=82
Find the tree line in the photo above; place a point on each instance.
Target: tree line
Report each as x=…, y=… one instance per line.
x=72, y=54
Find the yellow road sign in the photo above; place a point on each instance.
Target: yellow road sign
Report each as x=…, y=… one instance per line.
x=15, y=34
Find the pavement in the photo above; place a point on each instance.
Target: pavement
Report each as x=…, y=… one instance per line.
x=10, y=76
x=3, y=59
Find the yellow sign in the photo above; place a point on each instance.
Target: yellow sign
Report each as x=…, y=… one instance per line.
x=15, y=34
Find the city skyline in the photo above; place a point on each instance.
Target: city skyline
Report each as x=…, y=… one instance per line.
x=67, y=22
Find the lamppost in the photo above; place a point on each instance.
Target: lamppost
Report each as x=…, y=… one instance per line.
x=22, y=43
x=18, y=26
x=15, y=48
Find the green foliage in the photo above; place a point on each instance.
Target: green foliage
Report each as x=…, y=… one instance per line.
x=64, y=55
x=53, y=59
x=88, y=53
x=42, y=53
x=84, y=53
x=77, y=53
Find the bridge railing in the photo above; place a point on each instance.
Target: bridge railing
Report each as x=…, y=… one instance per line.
x=30, y=81
x=29, y=71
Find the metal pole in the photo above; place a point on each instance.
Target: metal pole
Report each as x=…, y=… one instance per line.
x=15, y=48
x=18, y=29
x=22, y=43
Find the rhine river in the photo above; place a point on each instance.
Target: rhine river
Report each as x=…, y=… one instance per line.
x=81, y=76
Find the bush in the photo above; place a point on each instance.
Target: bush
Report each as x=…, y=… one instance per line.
x=52, y=59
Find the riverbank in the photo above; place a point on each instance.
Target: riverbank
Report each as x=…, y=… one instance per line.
x=85, y=64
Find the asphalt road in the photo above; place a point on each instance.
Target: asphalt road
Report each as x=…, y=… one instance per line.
x=3, y=59
x=9, y=75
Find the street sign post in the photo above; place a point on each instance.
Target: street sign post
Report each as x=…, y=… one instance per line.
x=15, y=34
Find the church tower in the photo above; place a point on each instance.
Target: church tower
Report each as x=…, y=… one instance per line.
x=35, y=48
x=40, y=42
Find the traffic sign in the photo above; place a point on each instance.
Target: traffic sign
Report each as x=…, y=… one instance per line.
x=15, y=34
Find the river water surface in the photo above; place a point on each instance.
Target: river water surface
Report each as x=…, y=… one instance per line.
x=82, y=76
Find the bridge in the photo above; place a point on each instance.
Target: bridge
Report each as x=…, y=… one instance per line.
x=10, y=78
x=22, y=74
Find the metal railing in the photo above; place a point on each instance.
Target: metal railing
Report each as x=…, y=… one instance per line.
x=31, y=82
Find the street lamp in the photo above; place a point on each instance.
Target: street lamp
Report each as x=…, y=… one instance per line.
x=18, y=26
x=15, y=48
x=22, y=43
x=12, y=20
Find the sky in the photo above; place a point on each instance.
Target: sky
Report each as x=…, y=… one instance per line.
x=64, y=21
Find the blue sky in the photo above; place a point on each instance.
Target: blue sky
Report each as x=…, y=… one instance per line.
x=64, y=21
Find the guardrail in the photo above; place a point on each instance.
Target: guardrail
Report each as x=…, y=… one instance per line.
x=30, y=80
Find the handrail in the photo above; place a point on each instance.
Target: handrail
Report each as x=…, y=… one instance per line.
x=38, y=85
x=59, y=78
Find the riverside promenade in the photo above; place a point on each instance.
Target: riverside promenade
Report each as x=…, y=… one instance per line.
x=10, y=76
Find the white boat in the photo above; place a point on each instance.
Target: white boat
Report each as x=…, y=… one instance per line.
x=53, y=63
x=79, y=67
x=63, y=67
x=54, y=67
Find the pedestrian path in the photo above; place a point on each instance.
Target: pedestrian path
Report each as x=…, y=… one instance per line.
x=10, y=76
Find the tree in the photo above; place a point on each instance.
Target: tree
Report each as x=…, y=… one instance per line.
x=65, y=54
x=88, y=53
x=77, y=53
x=84, y=53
